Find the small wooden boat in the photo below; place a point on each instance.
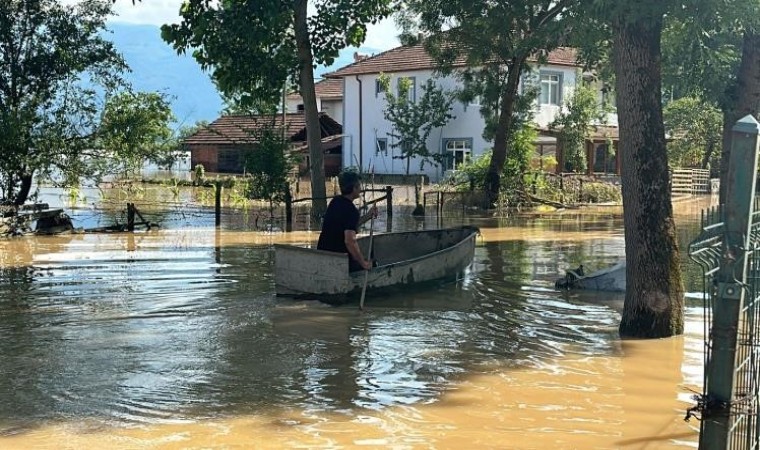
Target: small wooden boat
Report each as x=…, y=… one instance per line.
x=401, y=258
x=609, y=279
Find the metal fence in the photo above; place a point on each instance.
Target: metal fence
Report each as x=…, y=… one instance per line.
x=709, y=250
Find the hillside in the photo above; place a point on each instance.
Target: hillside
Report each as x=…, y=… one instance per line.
x=156, y=67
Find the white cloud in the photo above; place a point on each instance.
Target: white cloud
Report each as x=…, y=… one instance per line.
x=149, y=12
x=380, y=36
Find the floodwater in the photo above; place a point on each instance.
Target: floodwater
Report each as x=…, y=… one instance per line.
x=174, y=339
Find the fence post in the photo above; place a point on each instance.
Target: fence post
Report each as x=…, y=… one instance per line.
x=218, y=203
x=389, y=200
x=731, y=278
x=288, y=209
x=130, y=217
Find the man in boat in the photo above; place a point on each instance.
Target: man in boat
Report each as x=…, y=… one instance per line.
x=342, y=221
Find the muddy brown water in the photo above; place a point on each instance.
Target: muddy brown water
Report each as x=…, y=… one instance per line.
x=174, y=339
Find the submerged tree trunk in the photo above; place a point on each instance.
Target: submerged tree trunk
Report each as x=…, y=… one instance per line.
x=503, y=132
x=313, y=129
x=743, y=97
x=654, y=295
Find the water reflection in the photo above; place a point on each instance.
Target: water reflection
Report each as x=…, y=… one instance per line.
x=176, y=326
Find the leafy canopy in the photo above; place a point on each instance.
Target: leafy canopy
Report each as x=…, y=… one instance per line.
x=250, y=48
x=269, y=164
x=61, y=110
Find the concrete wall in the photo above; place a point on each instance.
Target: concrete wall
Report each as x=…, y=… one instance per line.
x=334, y=109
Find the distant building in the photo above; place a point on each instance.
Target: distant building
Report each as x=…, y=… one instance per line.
x=329, y=94
x=220, y=147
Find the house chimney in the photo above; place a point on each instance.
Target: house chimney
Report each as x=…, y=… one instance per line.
x=359, y=57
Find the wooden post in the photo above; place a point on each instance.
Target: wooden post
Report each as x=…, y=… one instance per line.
x=742, y=171
x=130, y=217
x=389, y=200
x=288, y=209
x=218, y=203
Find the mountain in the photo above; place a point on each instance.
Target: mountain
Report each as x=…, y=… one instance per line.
x=157, y=67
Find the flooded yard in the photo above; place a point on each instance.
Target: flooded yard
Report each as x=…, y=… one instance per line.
x=174, y=339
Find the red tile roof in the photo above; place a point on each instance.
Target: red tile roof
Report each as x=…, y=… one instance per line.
x=415, y=57
x=244, y=129
x=329, y=88
x=326, y=89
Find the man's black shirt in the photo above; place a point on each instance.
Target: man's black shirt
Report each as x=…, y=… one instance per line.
x=341, y=215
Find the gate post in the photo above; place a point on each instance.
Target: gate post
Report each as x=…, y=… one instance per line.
x=731, y=278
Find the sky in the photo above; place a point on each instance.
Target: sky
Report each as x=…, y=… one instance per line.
x=380, y=37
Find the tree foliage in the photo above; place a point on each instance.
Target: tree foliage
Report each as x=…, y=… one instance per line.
x=578, y=121
x=268, y=164
x=695, y=130
x=413, y=120
x=253, y=47
x=60, y=107
x=475, y=170
x=489, y=45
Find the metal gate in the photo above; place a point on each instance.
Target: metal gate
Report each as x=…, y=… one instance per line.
x=728, y=252
x=738, y=418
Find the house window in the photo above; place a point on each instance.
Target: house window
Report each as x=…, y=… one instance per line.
x=300, y=108
x=457, y=151
x=381, y=146
x=412, y=94
x=551, y=88
x=378, y=87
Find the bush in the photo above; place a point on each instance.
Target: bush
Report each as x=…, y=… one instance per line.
x=594, y=192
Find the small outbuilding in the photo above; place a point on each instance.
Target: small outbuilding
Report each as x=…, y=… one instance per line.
x=221, y=146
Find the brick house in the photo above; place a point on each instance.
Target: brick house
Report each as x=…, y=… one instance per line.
x=220, y=147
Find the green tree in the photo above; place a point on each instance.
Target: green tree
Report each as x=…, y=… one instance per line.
x=495, y=42
x=55, y=68
x=654, y=295
x=135, y=126
x=253, y=47
x=523, y=146
x=578, y=122
x=695, y=131
x=268, y=164
x=413, y=120
x=711, y=50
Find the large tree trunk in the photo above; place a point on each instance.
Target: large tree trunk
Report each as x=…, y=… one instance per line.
x=503, y=132
x=26, y=187
x=313, y=130
x=743, y=97
x=654, y=293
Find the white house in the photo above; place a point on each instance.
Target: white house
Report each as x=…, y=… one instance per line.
x=367, y=143
x=329, y=99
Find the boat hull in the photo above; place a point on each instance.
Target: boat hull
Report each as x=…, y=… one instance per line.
x=402, y=258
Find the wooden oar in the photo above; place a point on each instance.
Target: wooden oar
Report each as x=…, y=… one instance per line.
x=369, y=256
